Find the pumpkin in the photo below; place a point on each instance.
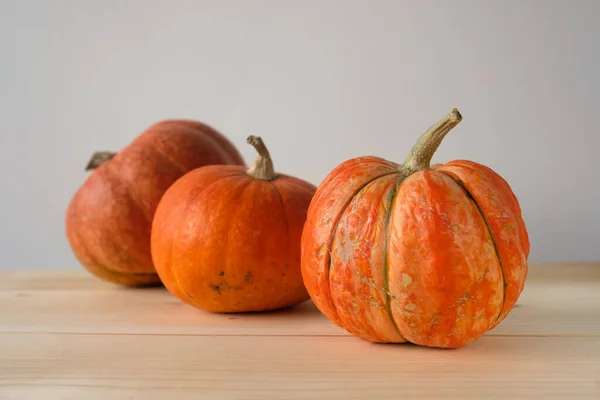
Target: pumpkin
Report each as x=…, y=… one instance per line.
x=109, y=218
x=226, y=239
x=431, y=255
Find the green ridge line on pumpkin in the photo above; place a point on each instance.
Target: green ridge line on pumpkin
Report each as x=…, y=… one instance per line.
x=178, y=233
x=334, y=231
x=388, y=298
x=487, y=226
x=328, y=179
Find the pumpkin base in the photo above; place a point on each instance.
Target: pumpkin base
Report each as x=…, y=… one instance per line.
x=231, y=303
x=246, y=310
x=130, y=279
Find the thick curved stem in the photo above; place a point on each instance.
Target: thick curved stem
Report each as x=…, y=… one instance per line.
x=99, y=158
x=420, y=155
x=263, y=165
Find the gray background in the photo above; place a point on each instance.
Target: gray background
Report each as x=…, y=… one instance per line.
x=320, y=81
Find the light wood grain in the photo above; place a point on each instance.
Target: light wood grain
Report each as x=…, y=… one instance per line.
x=259, y=367
x=66, y=335
x=69, y=302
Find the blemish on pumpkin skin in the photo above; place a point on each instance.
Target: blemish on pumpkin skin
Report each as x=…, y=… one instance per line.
x=410, y=306
x=234, y=287
x=375, y=303
x=248, y=277
x=461, y=316
x=322, y=250
x=365, y=279
x=222, y=273
x=221, y=287
x=406, y=279
x=370, y=282
x=364, y=253
x=348, y=246
x=463, y=299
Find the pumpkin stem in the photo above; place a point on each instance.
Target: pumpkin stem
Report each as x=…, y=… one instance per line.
x=263, y=165
x=420, y=155
x=99, y=158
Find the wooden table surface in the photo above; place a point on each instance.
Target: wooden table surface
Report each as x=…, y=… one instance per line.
x=67, y=335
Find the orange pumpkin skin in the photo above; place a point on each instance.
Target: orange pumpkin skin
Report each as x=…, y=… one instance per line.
x=224, y=241
x=435, y=256
x=108, y=220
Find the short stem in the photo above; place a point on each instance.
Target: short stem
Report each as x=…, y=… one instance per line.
x=263, y=165
x=420, y=155
x=99, y=158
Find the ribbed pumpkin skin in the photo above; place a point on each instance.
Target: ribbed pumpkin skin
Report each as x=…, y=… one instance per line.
x=437, y=257
x=223, y=241
x=108, y=220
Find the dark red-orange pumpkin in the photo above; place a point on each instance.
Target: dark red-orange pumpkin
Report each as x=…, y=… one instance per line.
x=227, y=239
x=108, y=220
x=435, y=256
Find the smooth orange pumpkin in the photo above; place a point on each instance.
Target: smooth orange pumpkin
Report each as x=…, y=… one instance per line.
x=227, y=239
x=108, y=220
x=436, y=256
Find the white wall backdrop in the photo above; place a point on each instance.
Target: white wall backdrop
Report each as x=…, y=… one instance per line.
x=320, y=81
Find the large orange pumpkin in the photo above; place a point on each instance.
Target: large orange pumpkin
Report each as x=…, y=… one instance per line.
x=407, y=252
x=109, y=218
x=227, y=239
